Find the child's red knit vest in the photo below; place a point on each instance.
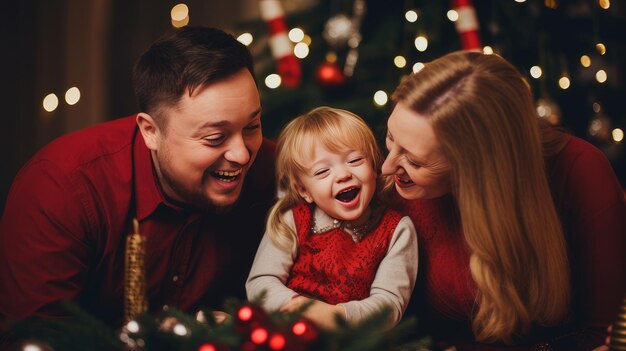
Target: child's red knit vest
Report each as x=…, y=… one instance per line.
x=330, y=266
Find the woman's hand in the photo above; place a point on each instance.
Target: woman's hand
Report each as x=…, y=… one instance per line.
x=320, y=313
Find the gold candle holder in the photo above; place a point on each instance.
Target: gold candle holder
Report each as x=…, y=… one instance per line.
x=618, y=334
x=135, y=298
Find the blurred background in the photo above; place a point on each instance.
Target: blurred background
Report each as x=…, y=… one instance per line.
x=67, y=64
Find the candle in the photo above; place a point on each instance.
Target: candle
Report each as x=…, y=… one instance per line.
x=135, y=299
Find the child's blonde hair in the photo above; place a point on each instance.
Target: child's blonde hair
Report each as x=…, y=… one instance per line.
x=336, y=130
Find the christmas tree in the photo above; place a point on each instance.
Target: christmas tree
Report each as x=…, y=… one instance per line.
x=352, y=54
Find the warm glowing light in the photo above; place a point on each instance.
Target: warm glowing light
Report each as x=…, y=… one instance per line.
x=132, y=327
x=520, y=0
x=273, y=81
x=399, y=61
x=417, y=67
x=601, y=76
x=245, y=313
x=421, y=43
x=207, y=347
x=179, y=12
x=535, y=72
x=596, y=107
x=548, y=111
x=299, y=328
x=604, y=4
x=564, y=83
x=598, y=127
x=331, y=57
x=245, y=38
x=618, y=135
x=50, y=102
x=277, y=342
x=31, y=347
x=296, y=35
x=453, y=15
x=306, y=40
x=411, y=16
x=380, y=98
x=181, y=23
x=553, y=4
x=72, y=95
x=258, y=336
x=488, y=50
x=542, y=111
x=601, y=48
x=180, y=329
x=585, y=61
x=301, y=50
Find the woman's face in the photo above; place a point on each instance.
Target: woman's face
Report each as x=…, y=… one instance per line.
x=420, y=169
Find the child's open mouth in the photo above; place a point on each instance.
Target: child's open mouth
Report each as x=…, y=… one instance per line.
x=348, y=194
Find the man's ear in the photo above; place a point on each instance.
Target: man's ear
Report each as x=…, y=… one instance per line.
x=303, y=193
x=149, y=130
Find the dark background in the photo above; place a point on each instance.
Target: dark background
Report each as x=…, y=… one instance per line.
x=50, y=46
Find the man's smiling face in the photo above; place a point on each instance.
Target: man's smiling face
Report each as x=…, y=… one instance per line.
x=209, y=141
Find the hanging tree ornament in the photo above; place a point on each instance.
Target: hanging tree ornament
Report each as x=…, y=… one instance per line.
x=337, y=30
x=341, y=31
x=282, y=50
x=355, y=39
x=467, y=24
x=328, y=74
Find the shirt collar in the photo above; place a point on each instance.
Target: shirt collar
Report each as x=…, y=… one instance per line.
x=324, y=223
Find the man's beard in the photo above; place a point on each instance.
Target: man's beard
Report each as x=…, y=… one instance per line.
x=196, y=200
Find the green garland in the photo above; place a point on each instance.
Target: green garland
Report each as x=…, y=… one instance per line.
x=249, y=329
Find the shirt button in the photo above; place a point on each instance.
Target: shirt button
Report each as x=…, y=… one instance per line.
x=175, y=278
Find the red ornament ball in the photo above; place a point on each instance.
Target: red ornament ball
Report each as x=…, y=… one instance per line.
x=328, y=74
x=207, y=347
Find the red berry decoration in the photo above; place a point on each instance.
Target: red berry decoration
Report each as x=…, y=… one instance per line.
x=304, y=330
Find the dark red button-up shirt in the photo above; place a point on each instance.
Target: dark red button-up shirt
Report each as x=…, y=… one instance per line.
x=63, y=230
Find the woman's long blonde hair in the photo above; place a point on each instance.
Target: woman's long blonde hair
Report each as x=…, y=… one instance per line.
x=336, y=130
x=483, y=114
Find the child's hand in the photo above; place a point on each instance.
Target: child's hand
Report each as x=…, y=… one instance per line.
x=320, y=313
x=295, y=303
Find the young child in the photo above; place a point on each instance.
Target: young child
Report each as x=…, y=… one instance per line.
x=329, y=238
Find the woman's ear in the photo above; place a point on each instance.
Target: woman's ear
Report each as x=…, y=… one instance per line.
x=304, y=193
x=149, y=130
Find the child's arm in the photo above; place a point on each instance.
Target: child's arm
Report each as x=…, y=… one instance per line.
x=270, y=271
x=395, y=278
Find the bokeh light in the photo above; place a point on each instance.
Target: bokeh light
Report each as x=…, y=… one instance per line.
x=50, y=102
x=72, y=95
x=245, y=38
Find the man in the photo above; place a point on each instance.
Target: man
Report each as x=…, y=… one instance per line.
x=193, y=168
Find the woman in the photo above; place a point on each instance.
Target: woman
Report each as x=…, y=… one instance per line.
x=522, y=228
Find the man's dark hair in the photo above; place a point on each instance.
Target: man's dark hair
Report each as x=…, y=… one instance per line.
x=185, y=59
